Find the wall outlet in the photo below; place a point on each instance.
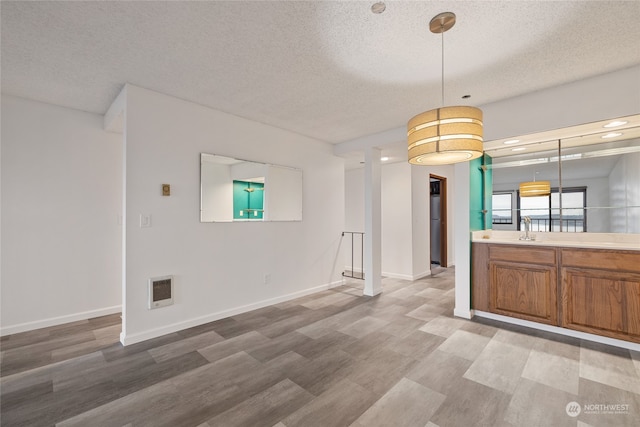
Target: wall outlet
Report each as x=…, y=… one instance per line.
x=267, y=278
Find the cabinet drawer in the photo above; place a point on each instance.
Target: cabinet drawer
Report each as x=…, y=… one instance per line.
x=527, y=254
x=602, y=259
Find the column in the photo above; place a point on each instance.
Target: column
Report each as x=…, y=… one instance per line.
x=372, y=223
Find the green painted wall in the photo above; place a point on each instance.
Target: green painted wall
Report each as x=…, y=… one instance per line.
x=476, y=195
x=248, y=202
x=480, y=191
x=488, y=192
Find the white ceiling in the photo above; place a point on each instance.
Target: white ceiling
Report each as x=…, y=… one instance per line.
x=330, y=70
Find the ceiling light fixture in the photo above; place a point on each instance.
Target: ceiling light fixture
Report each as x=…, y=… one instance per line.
x=615, y=123
x=535, y=188
x=519, y=149
x=611, y=135
x=445, y=135
x=384, y=159
x=511, y=141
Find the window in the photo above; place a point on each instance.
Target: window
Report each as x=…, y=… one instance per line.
x=544, y=211
x=501, y=208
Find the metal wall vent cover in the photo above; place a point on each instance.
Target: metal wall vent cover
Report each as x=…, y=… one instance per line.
x=160, y=291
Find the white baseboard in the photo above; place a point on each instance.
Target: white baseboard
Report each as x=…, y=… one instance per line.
x=560, y=331
x=54, y=321
x=333, y=284
x=128, y=339
x=421, y=275
x=406, y=276
x=465, y=314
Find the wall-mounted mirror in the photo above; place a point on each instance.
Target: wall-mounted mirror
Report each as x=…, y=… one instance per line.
x=238, y=190
x=594, y=171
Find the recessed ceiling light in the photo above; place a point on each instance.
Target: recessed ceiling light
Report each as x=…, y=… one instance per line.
x=519, y=149
x=378, y=8
x=384, y=159
x=615, y=124
x=511, y=141
x=611, y=135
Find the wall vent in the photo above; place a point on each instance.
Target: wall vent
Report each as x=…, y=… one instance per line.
x=160, y=291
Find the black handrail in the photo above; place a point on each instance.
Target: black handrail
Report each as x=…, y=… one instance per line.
x=352, y=271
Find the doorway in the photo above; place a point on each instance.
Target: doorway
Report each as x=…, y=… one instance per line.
x=438, y=221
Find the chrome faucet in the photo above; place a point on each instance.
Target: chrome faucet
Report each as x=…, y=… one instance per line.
x=527, y=227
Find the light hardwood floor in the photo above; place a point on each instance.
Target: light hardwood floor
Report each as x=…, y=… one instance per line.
x=334, y=358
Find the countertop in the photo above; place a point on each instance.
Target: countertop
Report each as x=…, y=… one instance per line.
x=614, y=241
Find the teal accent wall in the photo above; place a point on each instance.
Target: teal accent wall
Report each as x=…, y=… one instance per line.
x=476, y=195
x=488, y=192
x=256, y=200
x=480, y=192
x=248, y=202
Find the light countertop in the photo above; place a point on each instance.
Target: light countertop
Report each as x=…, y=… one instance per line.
x=616, y=241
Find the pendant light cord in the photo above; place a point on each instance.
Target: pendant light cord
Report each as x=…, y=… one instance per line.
x=442, y=48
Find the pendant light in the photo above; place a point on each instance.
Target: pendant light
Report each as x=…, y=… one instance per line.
x=535, y=188
x=445, y=135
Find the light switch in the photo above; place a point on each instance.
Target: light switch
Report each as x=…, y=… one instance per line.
x=145, y=220
x=241, y=213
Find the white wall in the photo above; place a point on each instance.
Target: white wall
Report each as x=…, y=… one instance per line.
x=597, y=196
x=283, y=194
x=625, y=191
x=219, y=268
x=61, y=201
x=248, y=170
x=421, y=216
x=354, y=200
x=354, y=220
x=396, y=221
x=405, y=217
x=396, y=218
x=584, y=101
x=217, y=192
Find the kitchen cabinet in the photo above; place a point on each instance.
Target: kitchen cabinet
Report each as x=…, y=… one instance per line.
x=601, y=292
x=589, y=290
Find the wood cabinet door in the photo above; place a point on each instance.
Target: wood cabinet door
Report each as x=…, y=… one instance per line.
x=525, y=291
x=601, y=302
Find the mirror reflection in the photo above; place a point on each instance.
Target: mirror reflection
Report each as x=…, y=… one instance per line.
x=238, y=190
x=594, y=178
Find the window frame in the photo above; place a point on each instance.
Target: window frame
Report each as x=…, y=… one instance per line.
x=497, y=193
x=582, y=190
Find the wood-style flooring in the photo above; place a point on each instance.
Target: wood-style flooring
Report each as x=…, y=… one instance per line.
x=334, y=358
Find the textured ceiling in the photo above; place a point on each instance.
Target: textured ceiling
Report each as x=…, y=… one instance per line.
x=330, y=70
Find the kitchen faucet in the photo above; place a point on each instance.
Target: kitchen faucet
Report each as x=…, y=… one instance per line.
x=527, y=227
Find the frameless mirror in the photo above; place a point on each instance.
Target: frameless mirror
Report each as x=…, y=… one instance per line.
x=594, y=173
x=609, y=175
x=238, y=190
